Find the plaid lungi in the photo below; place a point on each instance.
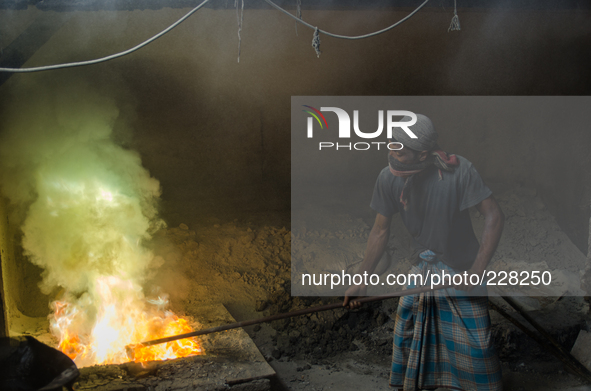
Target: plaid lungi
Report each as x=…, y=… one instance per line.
x=443, y=339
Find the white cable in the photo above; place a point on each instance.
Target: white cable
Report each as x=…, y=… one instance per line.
x=137, y=47
x=111, y=57
x=345, y=36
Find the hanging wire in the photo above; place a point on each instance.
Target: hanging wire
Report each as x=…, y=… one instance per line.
x=455, y=21
x=298, y=14
x=346, y=36
x=141, y=45
x=111, y=57
x=239, y=18
x=316, y=42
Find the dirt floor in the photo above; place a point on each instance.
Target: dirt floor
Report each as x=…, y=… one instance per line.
x=245, y=264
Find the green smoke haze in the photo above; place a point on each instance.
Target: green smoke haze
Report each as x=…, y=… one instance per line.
x=87, y=203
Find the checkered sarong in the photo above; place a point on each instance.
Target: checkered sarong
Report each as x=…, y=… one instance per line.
x=443, y=339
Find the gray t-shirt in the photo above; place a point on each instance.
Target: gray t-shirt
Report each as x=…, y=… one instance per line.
x=437, y=214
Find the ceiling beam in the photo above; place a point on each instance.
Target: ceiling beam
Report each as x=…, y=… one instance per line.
x=18, y=52
x=127, y=5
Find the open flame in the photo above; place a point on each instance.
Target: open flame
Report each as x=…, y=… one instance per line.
x=89, y=207
x=105, y=260
x=123, y=317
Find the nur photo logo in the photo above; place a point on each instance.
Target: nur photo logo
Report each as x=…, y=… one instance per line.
x=393, y=118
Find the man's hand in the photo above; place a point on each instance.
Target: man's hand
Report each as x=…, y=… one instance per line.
x=376, y=244
x=493, y=227
x=354, y=292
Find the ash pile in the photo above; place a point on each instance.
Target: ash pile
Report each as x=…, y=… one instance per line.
x=326, y=334
x=194, y=373
x=318, y=338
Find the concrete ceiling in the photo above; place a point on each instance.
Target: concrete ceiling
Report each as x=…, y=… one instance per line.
x=79, y=5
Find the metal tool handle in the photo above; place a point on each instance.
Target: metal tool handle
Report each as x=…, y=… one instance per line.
x=407, y=292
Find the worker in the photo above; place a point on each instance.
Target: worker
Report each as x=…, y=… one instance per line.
x=442, y=339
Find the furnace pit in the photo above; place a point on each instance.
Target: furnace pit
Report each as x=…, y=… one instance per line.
x=232, y=361
x=193, y=269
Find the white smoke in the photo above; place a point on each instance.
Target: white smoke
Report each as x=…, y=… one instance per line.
x=89, y=205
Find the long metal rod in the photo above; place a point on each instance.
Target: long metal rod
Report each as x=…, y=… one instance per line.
x=542, y=342
x=550, y=344
x=575, y=364
x=271, y=318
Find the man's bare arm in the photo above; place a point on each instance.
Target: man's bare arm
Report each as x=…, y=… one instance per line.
x=376, y=245
x=494, y=220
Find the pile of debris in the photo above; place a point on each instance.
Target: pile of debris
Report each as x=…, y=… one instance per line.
x=326, y=334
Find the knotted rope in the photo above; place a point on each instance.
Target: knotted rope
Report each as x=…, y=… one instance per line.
x=298, y=14
x=316, y=42
x=239, y=18
x=455, y=21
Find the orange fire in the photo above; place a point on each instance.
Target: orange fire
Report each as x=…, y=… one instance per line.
x=174, y=349
x=102, y=338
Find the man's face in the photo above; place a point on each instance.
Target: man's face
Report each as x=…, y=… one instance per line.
x=407, y=156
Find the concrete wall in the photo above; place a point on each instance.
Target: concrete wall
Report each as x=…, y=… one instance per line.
x=19, y=278
x=6, y=253
x=216, y=132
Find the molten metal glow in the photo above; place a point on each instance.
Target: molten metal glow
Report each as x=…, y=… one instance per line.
x=122, y=317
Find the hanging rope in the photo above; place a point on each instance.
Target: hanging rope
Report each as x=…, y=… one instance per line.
x=239, y=18
x=316, y=42
x=107, y=58
x=455, y=21
x=298, y=14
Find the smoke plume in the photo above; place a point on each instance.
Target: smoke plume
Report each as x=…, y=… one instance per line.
x=88, y=205
x=89, y=202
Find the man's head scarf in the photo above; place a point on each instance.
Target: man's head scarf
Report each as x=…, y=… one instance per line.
x=426, y=135
x=426, y=141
